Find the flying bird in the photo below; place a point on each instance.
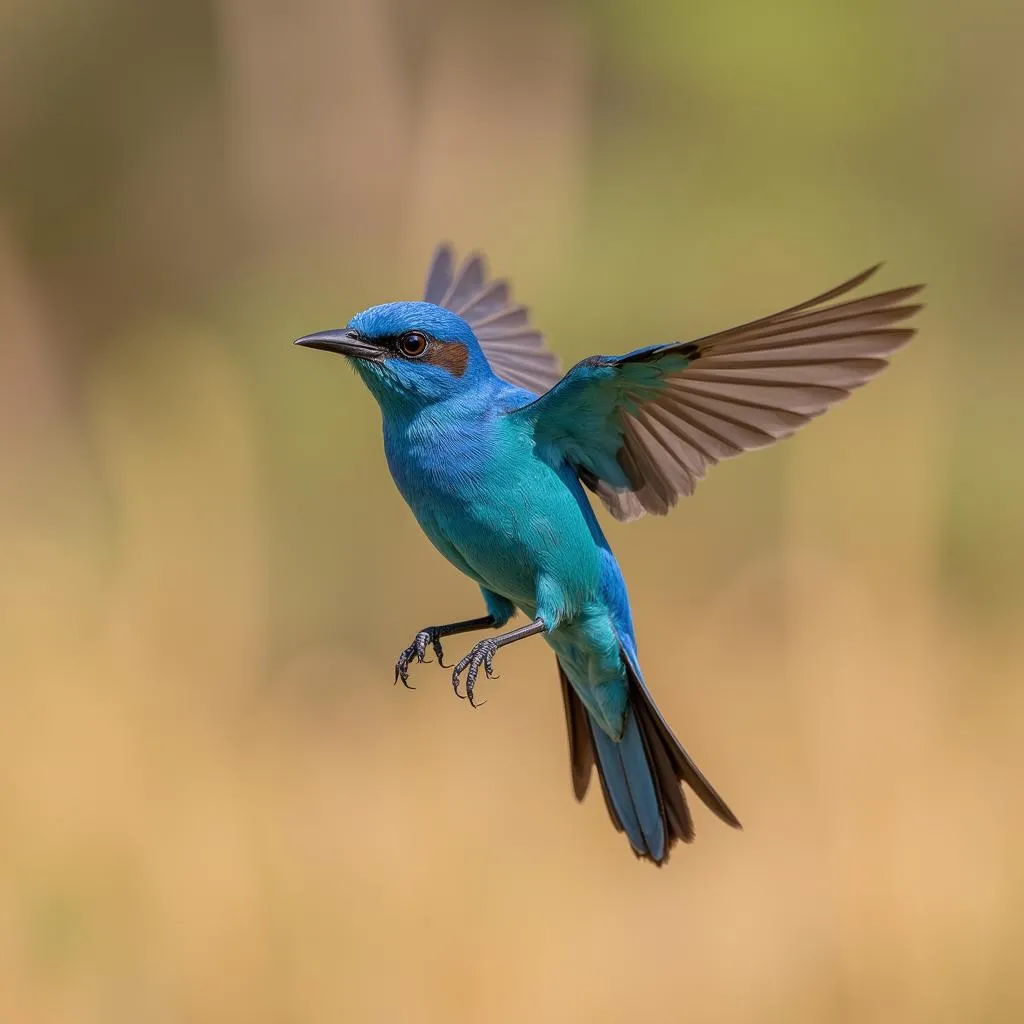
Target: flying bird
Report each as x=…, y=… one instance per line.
x=494, y=450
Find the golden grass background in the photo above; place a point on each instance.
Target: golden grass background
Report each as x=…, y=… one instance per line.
x=213, y=804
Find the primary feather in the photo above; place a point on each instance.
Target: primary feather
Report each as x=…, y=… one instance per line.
x=643, y=428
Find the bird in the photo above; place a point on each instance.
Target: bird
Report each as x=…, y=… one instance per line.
x=495, y=451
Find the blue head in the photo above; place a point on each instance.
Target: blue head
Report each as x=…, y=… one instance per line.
x=409, y=354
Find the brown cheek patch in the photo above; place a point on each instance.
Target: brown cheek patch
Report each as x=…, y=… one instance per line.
x=449, y=355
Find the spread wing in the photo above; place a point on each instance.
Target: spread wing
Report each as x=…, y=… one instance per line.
x=515, y=351
x=641, y=429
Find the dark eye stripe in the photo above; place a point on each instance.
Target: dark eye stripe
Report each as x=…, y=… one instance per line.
x=452, y=356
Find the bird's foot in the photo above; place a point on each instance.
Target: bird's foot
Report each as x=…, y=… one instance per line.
x=481, y=654
x=417, y=651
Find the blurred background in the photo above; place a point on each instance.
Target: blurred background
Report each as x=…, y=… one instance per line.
x=214, y=805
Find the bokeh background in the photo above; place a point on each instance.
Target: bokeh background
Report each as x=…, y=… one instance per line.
x=214, y=805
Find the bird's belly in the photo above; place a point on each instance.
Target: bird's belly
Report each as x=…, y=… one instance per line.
x=523, y=537
x=491, y=545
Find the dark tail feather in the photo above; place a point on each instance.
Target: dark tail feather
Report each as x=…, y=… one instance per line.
x=640, y=775
x=581, y=750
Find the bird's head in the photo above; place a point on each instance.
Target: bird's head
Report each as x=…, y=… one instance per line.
x=409, y=354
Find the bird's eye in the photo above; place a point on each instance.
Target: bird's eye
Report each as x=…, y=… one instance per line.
x=412, y=344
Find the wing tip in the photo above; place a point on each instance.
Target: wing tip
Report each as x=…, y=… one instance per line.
x=440, y=271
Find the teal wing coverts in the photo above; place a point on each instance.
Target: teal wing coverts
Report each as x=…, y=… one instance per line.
x=642, y=428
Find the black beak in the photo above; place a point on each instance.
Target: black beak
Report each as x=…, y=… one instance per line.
x=343, y=340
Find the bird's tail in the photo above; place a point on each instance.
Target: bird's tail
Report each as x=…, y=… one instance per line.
x=641, y=773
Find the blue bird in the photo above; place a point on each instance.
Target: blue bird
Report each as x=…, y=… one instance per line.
x=493, y=449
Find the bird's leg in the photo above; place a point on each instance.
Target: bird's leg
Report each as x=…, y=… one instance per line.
x=483, y=654
x=432, y=635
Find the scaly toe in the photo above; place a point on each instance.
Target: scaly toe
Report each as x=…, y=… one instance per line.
x=478, y=657
x=438, y=652
x=402, y=668
x=473, y=702
x=456, y=681
x=423, y=637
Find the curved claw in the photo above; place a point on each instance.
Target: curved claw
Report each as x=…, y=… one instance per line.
x=402, y=666
x=417, y=651
x=435, y=642
x=481, y=654
x=460, y=667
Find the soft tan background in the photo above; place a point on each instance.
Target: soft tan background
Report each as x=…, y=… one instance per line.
x=214, y=806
